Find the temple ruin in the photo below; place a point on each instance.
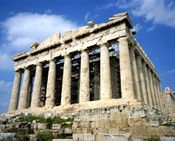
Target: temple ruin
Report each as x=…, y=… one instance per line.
x=93, y=67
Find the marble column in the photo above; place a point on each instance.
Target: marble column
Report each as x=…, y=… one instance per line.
x=15, y=92
x=127, y=88
x=158, y=93
x=152, y=89
x=105, y=74
x=66, y=86
x=142, y=79
x=148, y=87
x=137, y=87
x=84, y=78
x=51, y=82
x=23, y=103
x=37, y=86
x=146, y=98
x=155, y=91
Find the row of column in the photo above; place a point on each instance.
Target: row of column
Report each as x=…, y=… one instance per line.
x=137, y=81
x=84, y=94
x=146, y=85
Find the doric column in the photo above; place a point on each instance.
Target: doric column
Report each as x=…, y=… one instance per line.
x=84, y=77
x=37, y=87
x=142, y=79
x=50, y=94
x=148, y=86
x=15, y=92
x=25, y=90
x=135, y=74
x=155, y=91
x=158, y=93
x=145, y=82
x=66, y=85
x=105, y=74
x=127, y=88
x=152, y=89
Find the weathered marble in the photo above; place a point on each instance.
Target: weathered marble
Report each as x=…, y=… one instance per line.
x=125, y=69
x=50, y=94
x=84, y=78
x=105, y=76
x=66, y=86
x=37, y=87
x=24, y=90
x=15, y=92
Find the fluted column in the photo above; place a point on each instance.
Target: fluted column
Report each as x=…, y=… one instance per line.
x=15, y=92
x=145, y=83
x=37, y=87
x=158, y=93
x=50, y=94
x=105, y=74
x=125, y=69
x=139, y=68
x=25, y=90
x=152, y=89
x=84, y=77
x=155, y=91
x=148, y=87
x=135, y=75
x=66, y=86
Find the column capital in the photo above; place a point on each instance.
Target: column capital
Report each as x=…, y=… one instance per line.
x=104, y=44
x=18, y=70
x=84, y=50
x=67, y=55
x=52, y=60
x=132, y=48
x=39, y=64
x=123, y=38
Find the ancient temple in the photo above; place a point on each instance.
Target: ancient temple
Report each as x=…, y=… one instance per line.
x=95, y=62
x=95, y=66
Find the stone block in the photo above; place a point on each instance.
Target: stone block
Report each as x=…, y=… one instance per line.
x=78, y=136
x=62, y=140
x=56, y=126
x=68, y=131
x=89, y=137
x=167, y=139
x=32, y=138
x=42, y=126
x=122, y=137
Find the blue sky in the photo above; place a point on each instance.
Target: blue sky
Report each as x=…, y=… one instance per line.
x=25, y=22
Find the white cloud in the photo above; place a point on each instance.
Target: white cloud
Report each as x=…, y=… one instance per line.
x=138, y=27
x=86, y=16
x=171, y=71
x=150, y=28
x=5, y=91
x=23, y=29
x=157, y=11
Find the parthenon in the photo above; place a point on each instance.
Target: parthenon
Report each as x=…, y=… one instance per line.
x=95, y=62
x=98, y=66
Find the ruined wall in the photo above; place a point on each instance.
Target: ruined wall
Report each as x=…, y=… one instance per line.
x=168, y=103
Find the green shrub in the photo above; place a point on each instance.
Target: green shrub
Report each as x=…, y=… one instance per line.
x=41, y=119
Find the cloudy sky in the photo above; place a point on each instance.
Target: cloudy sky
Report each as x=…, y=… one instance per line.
x=25, y=22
